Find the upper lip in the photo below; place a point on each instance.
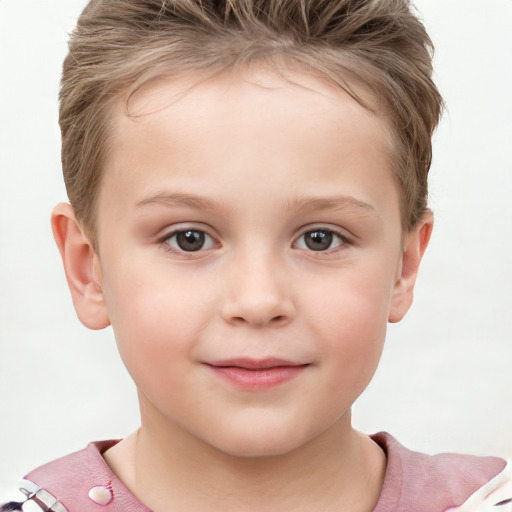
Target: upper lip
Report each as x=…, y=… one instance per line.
x=254, y=364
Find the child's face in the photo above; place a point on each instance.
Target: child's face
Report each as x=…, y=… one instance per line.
x=247, y=226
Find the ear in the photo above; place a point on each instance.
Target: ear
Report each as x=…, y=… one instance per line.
x=415, y=244
x=82, y=268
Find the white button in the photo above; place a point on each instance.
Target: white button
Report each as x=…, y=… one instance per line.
x=31, y=506
x=100, y=495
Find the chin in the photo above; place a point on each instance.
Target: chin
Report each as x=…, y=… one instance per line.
x=259, y=444
x=257, y=450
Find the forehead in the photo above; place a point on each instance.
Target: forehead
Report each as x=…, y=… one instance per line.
x=254, y=126
x=235, y=97
x=259, y=86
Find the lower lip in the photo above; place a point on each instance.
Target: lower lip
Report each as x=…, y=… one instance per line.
x=262, y=379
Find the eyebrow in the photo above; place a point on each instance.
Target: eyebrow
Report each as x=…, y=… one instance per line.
x=331, y=203
x=177, y=200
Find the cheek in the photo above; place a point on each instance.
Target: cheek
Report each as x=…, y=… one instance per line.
x=157, y=318
x=354, y=300
x=350, y=319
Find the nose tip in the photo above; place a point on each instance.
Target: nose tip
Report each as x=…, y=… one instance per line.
x=258, y=296
x=256, y=312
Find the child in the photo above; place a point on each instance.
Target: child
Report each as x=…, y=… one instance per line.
x=248, y=211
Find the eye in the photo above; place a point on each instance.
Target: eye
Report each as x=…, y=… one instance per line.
x=320, y=240
x=190, y=240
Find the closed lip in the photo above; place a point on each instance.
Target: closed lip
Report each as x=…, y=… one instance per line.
x=256, y=375
x=254, y=364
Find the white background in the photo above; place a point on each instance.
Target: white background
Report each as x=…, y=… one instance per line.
x=445, y=382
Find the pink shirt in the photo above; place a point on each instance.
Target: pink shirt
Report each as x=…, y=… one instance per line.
x=414, y=482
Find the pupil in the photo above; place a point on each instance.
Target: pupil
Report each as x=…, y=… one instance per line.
x=190, y=240
x=318, y=240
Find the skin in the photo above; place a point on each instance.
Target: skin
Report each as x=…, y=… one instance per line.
x=257, y=165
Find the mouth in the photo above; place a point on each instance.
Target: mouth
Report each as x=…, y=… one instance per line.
x=256, y=374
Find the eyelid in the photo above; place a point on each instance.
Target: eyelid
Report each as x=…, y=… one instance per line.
x=179, y=227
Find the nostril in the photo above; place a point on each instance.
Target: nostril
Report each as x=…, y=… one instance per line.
x=278, y=319
x=260, y=322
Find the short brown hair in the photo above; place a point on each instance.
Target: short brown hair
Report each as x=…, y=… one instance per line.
x=118, y=45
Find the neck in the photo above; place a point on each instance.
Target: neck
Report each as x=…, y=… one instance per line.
x=168, y=470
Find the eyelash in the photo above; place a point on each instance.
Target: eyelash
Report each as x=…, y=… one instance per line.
x=165, y=241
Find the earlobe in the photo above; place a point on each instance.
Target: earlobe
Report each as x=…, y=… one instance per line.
x=82, y=268
x=415, y=245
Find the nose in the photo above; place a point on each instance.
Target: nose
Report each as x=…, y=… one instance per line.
x=258, y=292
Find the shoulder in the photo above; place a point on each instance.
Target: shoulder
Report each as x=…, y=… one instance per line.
x=447, y=481
x=78, y=482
